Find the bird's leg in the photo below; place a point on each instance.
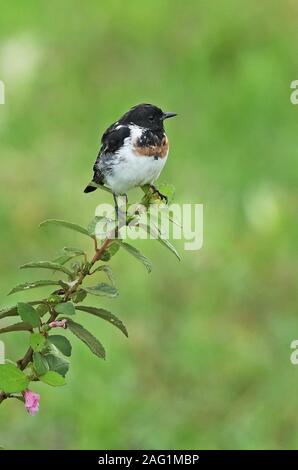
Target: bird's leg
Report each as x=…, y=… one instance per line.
x=116, y=215
x=161, y=196
x=122, y=213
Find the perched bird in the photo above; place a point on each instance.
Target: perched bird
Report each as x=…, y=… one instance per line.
x=134, y=151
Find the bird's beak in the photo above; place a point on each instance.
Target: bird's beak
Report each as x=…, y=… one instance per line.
x=169, y=115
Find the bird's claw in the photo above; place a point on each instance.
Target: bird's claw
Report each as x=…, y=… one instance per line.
x=161, y=196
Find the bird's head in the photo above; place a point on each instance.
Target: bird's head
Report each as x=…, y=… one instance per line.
x=146, y=115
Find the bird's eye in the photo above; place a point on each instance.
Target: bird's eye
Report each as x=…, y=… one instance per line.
x=151, y=118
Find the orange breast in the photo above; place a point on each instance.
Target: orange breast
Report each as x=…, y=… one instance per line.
x=160, y=151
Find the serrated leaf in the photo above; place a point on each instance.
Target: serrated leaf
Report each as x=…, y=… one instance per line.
x=84, y=335
x=78, y=296
x=13, y=311
x=110, y=252
x=42, y=309
x=12, y=379
x=33, y=285
x=9, y=312
x=28, y=314
x=57, y=364
x=105, y=315
x=47, y=265
x=52, y=378
x=74, y=251
x=40, y=363
x=65, y=224
x=37, y=342
x=169, y=246
x=107, y=270
x=61, y=343
x=137, y=254
x=92, y=225
x=63, y=259
x=21, y=326
x=102, y=289
x=156, y=234
x=65, y=308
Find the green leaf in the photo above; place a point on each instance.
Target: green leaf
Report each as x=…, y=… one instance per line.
x=65, y=308
x=137, y=254
x=33, y=285
x=79, y=296
x=21, y=326
x=105, y=315
x=12, y=379
x=92, y=225
x=156, y=233
x=47, y=265
x=84, y=335
x=63, y=259
x=40, y=363
x=169, y=246
x=110, y=252
x=63, y=223
x=61, y=343
x=57, y=364
x=74, y=251
x=52, y=378
x=107, y=270
x=13, y=311
x=28, y=314
x=102, y=289
x=9, y=312
x=37, y=342
x=42, y=309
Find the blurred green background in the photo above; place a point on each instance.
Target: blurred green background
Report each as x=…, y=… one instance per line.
x=207, y=363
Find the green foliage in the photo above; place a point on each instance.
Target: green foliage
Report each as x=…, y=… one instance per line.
x=52, y=378
x=37, y=342
x=13, y=311
x=154, y=232
x=79, y=296
x=47, y=265
x=63, y=223
x=61, y=343
x=28, y=314
x=137, y=254
x=40, y=364
x=102, y=289
x=57, y=364
x=20, y=326
x=110, y=251
x=107, y=270
x=65, y=308
x=106, y=315
x=33, y=285
x=12, y=379
x=93, y=344
x=43, y=360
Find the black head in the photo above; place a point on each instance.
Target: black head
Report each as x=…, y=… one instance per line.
x=146, y=115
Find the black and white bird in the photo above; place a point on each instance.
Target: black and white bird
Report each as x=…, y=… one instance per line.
x=133, y=151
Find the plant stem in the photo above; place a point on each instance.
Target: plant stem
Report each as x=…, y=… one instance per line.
x=22, y=363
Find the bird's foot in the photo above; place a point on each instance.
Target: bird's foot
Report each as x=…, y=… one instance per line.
x=161, y=196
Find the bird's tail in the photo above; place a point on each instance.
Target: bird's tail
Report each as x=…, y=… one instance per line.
x=91, y=187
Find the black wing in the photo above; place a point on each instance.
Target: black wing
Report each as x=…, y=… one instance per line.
x=113, y=138
x=111, y=141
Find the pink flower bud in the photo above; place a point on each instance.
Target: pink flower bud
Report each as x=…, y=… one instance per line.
x=31, y=402
x=58, y=324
